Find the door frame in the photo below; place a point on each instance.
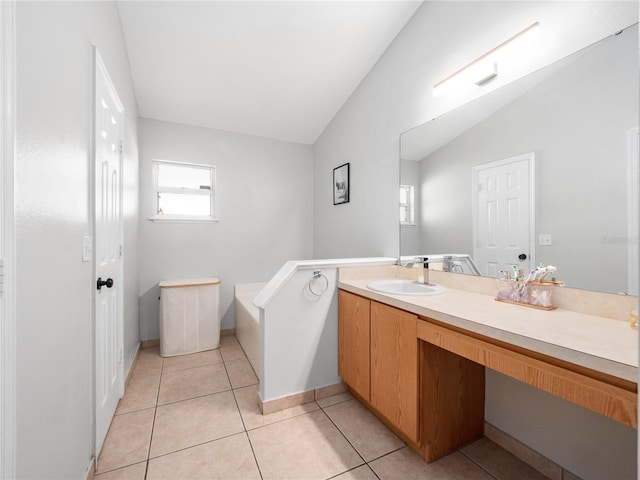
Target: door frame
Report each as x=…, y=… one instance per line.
x=7, y=241
x=99, y=66
x=633, y=199
x=531, y=159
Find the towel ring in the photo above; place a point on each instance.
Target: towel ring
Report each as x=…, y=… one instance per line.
x=317, y=274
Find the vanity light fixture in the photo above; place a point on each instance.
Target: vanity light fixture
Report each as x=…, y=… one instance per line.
x=485, y=68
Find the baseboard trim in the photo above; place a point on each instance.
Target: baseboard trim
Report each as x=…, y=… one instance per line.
x=144, y=344
x=133, y=365
x=525, y=453
x=301, y=398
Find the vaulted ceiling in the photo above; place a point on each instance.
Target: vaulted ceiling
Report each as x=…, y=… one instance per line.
x=276, y=69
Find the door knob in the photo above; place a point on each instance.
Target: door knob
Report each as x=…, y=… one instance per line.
x=104, y=283
x=522, y=256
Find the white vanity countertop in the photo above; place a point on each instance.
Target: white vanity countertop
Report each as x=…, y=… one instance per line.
x=601, y=344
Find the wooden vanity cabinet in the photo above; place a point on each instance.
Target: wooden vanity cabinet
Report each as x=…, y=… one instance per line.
x=394, y=367
x=426, y=378
x=452, y=401
x=354, y=342
x=378, y=359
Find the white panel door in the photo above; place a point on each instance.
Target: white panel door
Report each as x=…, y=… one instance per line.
x=108, y=135
x=503, y=218
x=7, y=248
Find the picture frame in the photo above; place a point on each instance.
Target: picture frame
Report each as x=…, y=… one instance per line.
x=341, y=184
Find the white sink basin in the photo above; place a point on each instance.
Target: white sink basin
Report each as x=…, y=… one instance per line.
x=404, y=287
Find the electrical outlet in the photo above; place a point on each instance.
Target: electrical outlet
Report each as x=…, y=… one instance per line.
x=544, y=239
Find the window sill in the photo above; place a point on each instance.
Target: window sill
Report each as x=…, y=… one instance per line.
x=182, y=219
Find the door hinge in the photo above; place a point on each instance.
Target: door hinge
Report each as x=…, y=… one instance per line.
x=120, y=250
x=121, y=147
x=121, y=357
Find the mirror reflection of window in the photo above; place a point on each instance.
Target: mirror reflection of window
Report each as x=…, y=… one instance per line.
x=406, y=205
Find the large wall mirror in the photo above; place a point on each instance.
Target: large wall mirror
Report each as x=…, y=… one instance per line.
x=574, y=124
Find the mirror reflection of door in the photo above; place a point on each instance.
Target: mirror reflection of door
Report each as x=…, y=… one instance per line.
x=503, y=217
x=633, y=206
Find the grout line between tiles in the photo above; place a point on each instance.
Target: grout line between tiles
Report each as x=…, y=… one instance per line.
x=337, y=403
x=182, y=449
x=478, y=465
x=374, y=472
x=118, y=467
x=245, y=428
x=390, y=452
x=194, y=397
x=160, y=384
x=244, y=425
x=226, y=370
x=253, y=452
x=182, y=369
x=155, y=413
x=404, y=445
x=351, y=470
x=282, y=419
x=345, y=437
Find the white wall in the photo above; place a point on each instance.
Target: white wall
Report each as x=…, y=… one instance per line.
x=396, y=96
x=299, y=334
x=264, y=196
x=54, y=397
x=589, y=445
x=576, y=123
x=299, y=329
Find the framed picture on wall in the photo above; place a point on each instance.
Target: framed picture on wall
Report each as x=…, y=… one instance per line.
x=341, y=184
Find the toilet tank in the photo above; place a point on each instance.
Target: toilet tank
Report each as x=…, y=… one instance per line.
x=189, y=316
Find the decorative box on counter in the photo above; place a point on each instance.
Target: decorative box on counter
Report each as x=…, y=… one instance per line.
x=530, y=294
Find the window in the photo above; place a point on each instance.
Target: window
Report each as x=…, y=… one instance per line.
x=183, y=191
x=406, y=205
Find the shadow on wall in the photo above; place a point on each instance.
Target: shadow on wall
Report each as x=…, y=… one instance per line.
x=325, y=354
x=149, y=306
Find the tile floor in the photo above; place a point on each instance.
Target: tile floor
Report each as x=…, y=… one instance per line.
x=196, y=417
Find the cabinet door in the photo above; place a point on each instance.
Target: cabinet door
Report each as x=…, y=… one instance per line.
x=353, y=342
x=394, y=367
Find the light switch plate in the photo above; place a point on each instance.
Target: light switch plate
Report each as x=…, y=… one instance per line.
x=87, y=248
x=544, y=239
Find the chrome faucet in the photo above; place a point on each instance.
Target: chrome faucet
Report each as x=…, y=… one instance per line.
x=451, y=262
x=425, y=264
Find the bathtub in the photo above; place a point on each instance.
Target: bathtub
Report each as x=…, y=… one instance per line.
x=248, y=322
